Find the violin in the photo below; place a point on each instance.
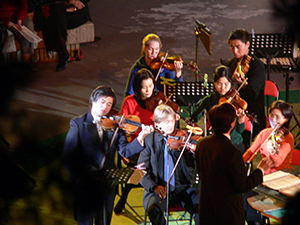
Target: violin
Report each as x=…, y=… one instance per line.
x=276, y=139
x=157, y=98
x=177, y=140
x=163, y=60
x=233, y=97
x=129, y=123
x=243, y=66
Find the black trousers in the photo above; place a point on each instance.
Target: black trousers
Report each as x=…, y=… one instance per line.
x=55, y=29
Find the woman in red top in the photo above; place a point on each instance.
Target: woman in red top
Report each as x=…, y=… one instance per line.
x=143, y=86
x=279, y=152
x=135, y=104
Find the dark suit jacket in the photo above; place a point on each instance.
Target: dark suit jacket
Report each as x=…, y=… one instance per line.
x=153, y=157
x=223, y=181
x=83, y=151
x=253, y=93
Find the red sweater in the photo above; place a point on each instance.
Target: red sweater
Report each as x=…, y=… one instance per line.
x=12, y=10
x=131, y=107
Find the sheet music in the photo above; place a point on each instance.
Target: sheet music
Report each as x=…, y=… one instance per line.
x=29, y=35
x=136, y=177
x=291, y=191
x=275, y=175
x=280, y=181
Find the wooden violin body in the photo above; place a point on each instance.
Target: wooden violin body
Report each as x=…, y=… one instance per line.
x=177, y=140
x=157, y=98
x=276, y=139
x=243, y=66
x=233, y=97
x=168, y=62
x=129, y=123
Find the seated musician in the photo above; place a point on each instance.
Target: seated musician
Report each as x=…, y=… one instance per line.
x=90, y=149
x=150, y=51
x=276, y=145
x=222, y=172
x=159, y=161
x=136, y=104
x=222, y=84
x=142, y=104
x=253, y=91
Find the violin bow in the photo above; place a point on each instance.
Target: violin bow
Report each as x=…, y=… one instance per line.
x=160, y=68
x=180, y=156
x=255, y=152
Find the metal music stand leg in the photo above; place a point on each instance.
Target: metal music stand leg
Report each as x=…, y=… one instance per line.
x=197, y=47
x=122, y=176
x=287, y=88
x=104, y=212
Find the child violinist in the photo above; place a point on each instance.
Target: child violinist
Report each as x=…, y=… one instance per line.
x=276, y=143
x=222, y=84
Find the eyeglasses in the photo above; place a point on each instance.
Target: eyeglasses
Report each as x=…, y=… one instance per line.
x=277, y=117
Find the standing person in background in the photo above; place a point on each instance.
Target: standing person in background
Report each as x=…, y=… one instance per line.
x=222, y=84
x=280, y=153
x=222, y=172
x=63, y=16
x=13, y=15
x=150, y=51
x=253, y=92
x=90, y=150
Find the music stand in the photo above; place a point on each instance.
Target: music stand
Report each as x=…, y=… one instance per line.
x=281, y=46
x=118, y=176
x=189, y=93
x=204, y=33
x=124, y=175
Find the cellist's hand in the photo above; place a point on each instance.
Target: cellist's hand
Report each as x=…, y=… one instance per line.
x=161, y=191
